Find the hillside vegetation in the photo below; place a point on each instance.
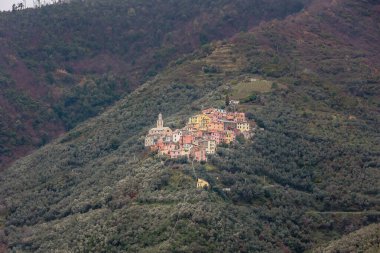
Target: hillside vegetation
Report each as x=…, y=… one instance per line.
x=366, y=239
x=309, y=176
x=61, y=64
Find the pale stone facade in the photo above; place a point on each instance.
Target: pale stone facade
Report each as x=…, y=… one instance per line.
x=209, y=146
x=157, y=133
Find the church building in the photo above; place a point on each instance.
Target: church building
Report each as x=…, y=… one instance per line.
x=158, y=133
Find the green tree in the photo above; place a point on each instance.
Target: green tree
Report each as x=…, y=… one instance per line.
x=227, y=100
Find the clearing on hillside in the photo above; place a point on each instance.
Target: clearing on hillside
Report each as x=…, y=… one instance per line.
x=245, y=88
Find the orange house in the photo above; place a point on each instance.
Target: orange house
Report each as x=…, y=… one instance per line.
x=214, y=135
x=230, y=117
x=215, y=126
x=239, y=116
x=228, y=137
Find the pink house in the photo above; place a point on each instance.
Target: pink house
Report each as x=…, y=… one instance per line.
x=186, y=139
x=166, y=147
x=175, y=153
x=199, y=154
x=178, y=152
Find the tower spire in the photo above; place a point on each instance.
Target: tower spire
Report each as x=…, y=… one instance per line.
x=160, y=121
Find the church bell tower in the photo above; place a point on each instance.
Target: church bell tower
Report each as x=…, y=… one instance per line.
x=160, y=122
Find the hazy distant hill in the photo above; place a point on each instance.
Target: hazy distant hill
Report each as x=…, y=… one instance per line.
x=310, y=81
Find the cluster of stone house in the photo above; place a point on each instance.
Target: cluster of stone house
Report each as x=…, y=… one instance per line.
x=200, y=136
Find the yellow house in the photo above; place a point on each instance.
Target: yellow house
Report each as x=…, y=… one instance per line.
x=205, y=120
x=202, y=184
x=243, y=126
x=200, y=121
x=193, y=119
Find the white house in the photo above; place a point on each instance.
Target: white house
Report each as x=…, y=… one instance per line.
x=177, y=134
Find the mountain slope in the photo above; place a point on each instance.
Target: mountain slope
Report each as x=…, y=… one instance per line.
x=61, y=64
x=366, y=239
x=310, y=176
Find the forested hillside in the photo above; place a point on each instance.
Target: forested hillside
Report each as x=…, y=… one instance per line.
x=61, y=64
x=309, y=175
x=366, y=239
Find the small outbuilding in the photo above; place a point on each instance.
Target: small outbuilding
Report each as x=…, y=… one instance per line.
x=203, y=184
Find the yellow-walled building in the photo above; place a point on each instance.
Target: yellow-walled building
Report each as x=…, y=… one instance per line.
x=200, y=121
x=202, y=184
x=243, y=126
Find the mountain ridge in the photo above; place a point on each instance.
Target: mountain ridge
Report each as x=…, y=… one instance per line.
x=73, y=60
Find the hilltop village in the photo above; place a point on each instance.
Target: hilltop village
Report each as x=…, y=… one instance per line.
x=200, y=136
